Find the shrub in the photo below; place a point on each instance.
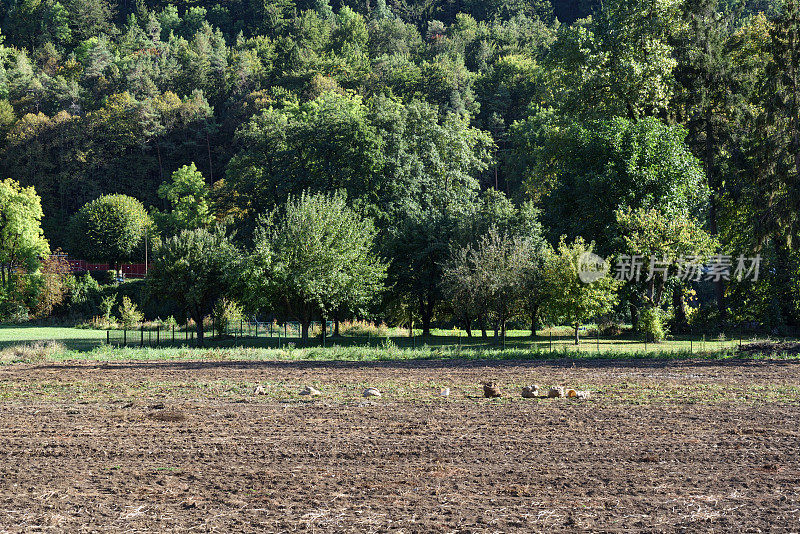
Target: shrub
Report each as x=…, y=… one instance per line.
x=129, y=314
x=107, y=307
x=33, y=352
x=227, y=313
x=363, y=329
x=13, y=312
x=652, y=324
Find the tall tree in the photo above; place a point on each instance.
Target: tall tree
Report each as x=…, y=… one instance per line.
x=778, y=132
x=313, y=257
x=195, y=269
x=22, y=242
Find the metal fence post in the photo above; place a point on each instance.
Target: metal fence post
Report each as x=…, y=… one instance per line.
x=173, y=333
x=141, y=336
x=158, y=337
x=108, y=337
x=124, y=337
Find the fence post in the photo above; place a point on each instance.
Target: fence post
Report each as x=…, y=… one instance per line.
x=141, y=336
x=173, y=334
x=598, y=338
x=551, y=340
x=241, y=328
x=158, y=336
x=124, y=337
x=108, y=337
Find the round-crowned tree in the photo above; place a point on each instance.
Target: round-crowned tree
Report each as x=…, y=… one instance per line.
x=110, y=229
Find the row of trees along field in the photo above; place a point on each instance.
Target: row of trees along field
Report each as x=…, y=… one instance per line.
x=461, y=136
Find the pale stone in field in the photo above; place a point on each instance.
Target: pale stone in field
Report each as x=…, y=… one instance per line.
x=445, y=392
x=556, y=392
x=584, y=394
x=372, y=392
x=311, y=391
x=530, y=392
x=259, y=390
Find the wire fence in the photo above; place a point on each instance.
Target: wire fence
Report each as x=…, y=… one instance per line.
x=289, y=334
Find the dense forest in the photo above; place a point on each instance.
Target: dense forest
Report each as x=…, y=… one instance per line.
x=454, y=128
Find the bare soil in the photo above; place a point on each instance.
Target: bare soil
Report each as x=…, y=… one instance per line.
x=188, y=447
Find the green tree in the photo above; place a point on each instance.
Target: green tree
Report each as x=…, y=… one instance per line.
x=490, y=277
x=571, y=299
x=584, y=173
x=22, y=242
x=110, y=229
x=189, y=197
x=195, y=269
x=664, y=242
x=778, y=132
x=619, y=62
x=313, y=257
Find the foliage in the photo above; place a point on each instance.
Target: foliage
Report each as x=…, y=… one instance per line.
x=52, y=285
x=653, y=324
x=129, y=314
x=110, y=229
x=22, y=242
x=107, y=306
x=195, y=269
x=227, y=315
x=570, y=298
x=315, y=257
x=189, y=197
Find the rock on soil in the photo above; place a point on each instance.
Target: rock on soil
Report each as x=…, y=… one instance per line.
x=372, y=392
x=311, y=391
x=530, y=392
x=556, y=392
x=491, y=391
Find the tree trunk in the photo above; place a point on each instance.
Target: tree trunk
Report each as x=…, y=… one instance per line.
x=426, y=311
x=634, y=317
x=468, y=326
x=679, y=304
x=304, y=323
x=482, y=324
x=198, y=320
x=324, y=327
x=534, y=320
x=577, y=331
x=336, y=325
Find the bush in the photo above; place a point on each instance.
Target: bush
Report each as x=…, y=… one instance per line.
x=652, y=324
x=363, y=329
x=227, y=313
x=104, y=277
x=13, y=312
x=107, y=307
x=129, y=314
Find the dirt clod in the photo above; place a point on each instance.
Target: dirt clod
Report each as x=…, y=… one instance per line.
x=491, y=390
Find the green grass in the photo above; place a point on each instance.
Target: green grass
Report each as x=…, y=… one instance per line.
x=556, y=343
